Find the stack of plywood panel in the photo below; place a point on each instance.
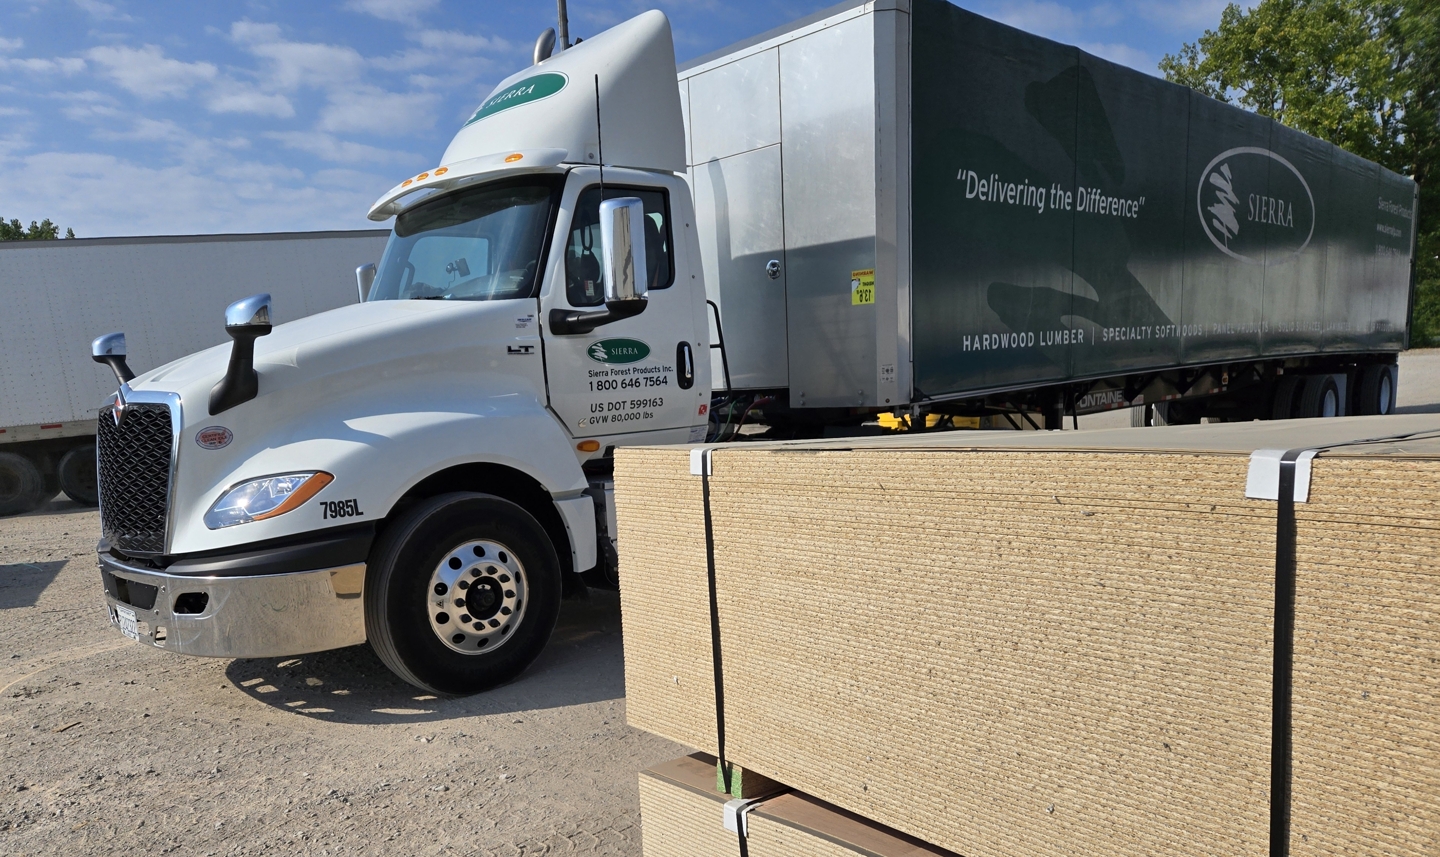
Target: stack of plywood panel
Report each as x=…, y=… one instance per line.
x=1051, y=643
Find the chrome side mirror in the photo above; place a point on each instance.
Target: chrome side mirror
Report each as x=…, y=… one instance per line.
x=247, y=314
x=622, y=264
x=246, y=320
x=110, y=350
x=365, y=279
x=622, y=249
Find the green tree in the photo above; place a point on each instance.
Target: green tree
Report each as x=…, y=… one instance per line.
x=1363, y=74
x=14, y=231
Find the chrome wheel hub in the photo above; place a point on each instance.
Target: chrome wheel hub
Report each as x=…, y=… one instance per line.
x=476, y=597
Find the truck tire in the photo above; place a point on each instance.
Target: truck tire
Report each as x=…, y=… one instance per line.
x=1287, y=390
x=1320, y=398
x=461, y=593
x=77, y=476
x=1377, y=390
x=22, y=487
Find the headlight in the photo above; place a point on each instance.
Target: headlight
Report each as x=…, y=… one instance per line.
x=259, y=499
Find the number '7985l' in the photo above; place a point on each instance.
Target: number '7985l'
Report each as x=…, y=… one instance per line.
x=340, y=509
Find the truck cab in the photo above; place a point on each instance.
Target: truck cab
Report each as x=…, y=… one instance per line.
x=425, y=470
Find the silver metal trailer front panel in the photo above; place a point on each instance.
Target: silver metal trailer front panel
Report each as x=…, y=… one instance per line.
x=799, y=149
x=167, y=294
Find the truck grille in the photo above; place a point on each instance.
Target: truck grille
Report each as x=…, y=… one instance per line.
x=135, y=477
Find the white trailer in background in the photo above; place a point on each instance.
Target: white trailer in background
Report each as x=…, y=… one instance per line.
x=165, y=293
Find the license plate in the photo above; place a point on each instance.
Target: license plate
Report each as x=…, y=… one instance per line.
x=128, y=625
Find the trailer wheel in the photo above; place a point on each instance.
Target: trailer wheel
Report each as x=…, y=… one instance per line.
x=1287, y=390
x=461, y=593
x=22, y=487
x=77, y=476
x=1377, y=389
x=1320, y=398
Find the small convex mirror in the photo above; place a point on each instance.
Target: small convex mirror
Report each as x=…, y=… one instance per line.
x=365, y=279
x=622, y=247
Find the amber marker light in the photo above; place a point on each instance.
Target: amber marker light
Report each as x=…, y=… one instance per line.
x=588, y=446
x=510, y=159
x=407, y=183
x=442, y=171
x=297, y=498
x=422, y=177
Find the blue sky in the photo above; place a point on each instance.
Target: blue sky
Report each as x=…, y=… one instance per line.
x=161, y=117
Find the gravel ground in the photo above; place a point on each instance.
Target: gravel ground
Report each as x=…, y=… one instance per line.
x=107, y=746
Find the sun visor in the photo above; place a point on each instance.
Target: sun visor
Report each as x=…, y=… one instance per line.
x=465, y=172
x=552, y=105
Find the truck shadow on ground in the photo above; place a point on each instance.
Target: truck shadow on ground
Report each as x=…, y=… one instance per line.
x=583, y=663
x=60, y=505
x=22, y=583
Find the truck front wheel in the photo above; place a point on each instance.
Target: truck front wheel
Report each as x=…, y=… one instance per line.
x=461, y=593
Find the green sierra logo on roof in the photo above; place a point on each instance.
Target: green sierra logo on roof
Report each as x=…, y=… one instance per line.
x=618, y=351
x=530, y=89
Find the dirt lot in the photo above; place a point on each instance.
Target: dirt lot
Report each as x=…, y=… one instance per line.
x=110, y=747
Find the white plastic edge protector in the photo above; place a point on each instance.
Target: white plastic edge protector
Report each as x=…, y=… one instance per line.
x=736, y=815
x=700, y=461
x=1263, y=480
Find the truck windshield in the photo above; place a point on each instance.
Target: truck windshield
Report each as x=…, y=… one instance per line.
x=476, y=245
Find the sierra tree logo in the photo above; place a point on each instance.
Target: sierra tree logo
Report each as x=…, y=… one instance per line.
x=618, y=351
x=1255, y=206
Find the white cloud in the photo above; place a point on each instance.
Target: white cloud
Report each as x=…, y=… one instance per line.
x=147, y=130
x=1188, y=17
x=1123, y=54
x=374, y=110
x=11, y=44
x=403, y=11
x=409, y=60
x=296, y=64
x=101, y=194
x=1041, y=17
x=230, y=96
x=102, y=11
x=332, y=148
x=36, y=65
x=455, y=41
x=147, y=72
x=251, y=31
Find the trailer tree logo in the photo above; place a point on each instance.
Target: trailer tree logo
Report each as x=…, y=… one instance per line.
x=618, y=351
x=1255, y=206
x=521, y=92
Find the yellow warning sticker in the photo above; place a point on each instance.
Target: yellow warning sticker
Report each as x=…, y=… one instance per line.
x=862, y=287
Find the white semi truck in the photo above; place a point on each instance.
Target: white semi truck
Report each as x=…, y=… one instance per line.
x=889, y=207
x=165, y=291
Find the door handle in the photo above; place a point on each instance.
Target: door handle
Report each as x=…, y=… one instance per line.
x=772, y=268
x=684, y=366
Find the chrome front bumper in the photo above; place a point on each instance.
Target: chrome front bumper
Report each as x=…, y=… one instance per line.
x=258, y=616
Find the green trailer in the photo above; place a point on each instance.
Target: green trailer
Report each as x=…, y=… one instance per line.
x=907, y=205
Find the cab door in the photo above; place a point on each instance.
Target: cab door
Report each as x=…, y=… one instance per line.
x=641, y=374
